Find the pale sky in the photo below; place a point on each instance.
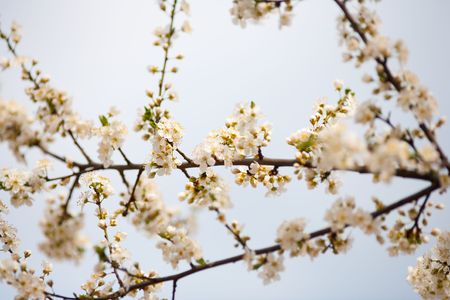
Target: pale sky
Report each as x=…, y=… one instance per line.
x=98, y=52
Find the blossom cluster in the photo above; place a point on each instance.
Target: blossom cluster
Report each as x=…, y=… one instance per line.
x=21, y=184
x=8, y=234
x=97, y=285
x=207, y=190
x=112, y=136
x=14, y=270
x=135, y=275
x=413, y=97
x=177, y=246
x=343, y=213
x=54, y=106
x=243, y=11
x=269, y=266
x=22, y=277
x=292, y=237
x=331, y=145
x=16, y=127
x=151, y=214
x=327, y=145
x=241, y=137
x=62, y=231
x=431, y=275
x=267, y=175
x=166, y=139
x=157, y=123
x=99, y=186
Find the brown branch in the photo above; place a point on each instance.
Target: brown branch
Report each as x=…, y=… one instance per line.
x=184, y=156
x=236, y=236
x=69, y=196
x=86, y=156
x=49, y=153
x=132, y=198
x=174, y=289
x=195, y=269
x=125, y=158
x=275, y=162
x=185, y=172
x=54, y=295
x=124, y=179
x=431, y=137
x=421, y=210
x=393, y=81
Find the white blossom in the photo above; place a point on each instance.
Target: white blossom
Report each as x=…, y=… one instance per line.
x=62, y=231
x=269, y=271
x=99, y=187
x=291, y=236
x=166, y=139
x=151, y=214
x=112, y=137
x=21, y=184
x=430, y=277
x=207, y=190
x=241, y=137
x=178, y=246
x=15, y=127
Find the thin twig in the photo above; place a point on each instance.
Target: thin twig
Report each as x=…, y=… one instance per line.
x=421, y=210
x=236, y=236
x=132, y=198
x=167, y=47
x=86, y=156
x=69, y=196
x=174, y=288
x=184, y=156
x=124, y=179
x=125, y=158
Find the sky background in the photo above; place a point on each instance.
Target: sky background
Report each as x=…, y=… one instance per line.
x=98, y=52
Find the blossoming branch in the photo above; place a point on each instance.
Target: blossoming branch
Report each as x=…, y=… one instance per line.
x=321, y=151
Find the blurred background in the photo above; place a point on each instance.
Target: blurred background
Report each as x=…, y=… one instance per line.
x=98, y=52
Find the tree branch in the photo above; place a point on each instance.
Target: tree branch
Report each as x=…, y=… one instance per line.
x=275, y=162
x=385, y=210
x=69, y=196
x=393, y=81
x=132, y=198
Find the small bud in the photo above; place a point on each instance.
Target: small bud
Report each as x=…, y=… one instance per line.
x=435, y=232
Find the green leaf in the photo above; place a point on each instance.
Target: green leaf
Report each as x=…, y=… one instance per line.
x=103, y=120
x=201, y=262
x=307, y=145
x=148, y=114
x=153, y=124
x=51, y=106
x=101, y=253
x=165, y=235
